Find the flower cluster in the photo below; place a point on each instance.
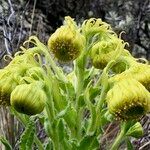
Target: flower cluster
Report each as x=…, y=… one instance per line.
x=132, y=88
x=20, y=86
x=127, y=98
x=78, y=105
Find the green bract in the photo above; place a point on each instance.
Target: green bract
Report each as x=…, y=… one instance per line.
x=136, y=130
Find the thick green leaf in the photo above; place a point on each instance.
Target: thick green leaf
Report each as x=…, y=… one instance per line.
x=92, y=123
x=81, y=102
x=93, y=92
x=135, y=130
x=89, y=143
x=61, y=129
x=68, y=88
x=71, y=117
x=27, y=137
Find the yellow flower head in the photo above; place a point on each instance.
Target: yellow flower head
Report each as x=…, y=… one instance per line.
x=128, y=99
x=67, y=42
x=28, y=98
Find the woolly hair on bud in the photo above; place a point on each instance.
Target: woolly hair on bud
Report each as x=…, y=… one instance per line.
x=36, y=73
x=8, y=82
x=106, y=50
x=93, y=26
x=128, y=99
x=141, y=72
x=66, y=43
x=10, y=77
x=138, y=71
x=28, y=98
x=25, y=58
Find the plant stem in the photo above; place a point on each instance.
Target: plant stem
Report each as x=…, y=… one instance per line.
x=117, y=141
x=38, y=143
x=56, y=142
x=79, y=68
x=119, y=137
x=44, y=50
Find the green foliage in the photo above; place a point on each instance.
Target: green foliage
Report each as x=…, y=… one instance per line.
x=75, y=108
x=88, y=142
x=27, y=138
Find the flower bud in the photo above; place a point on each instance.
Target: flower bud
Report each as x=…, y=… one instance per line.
x=135, y=131
x=140, y=72
x=128, y=99
x=93, y=26
x=67, y=42
x=106, y=50
x=29, y=98
x=8, y=82
x=26, y=58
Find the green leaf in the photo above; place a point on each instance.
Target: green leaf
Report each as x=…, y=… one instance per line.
x=93, y=92
x=92, y=123
x=61, y=129
x=87, y=78
x=71, y=117
x=62, y=113
x=89, y=143
x=81, y=102
x=107, y=117
x=58, y=98
x=47, y=127
x=27, y=137
x=48, y=145
x=5, y=143
x=30, y=139
x=68, y=88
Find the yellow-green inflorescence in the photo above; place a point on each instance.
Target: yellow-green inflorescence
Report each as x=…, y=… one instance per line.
x=128, y=99
x=128, y=96
x=67, y=42
x=28, y=99
x=21, y=84
x=10, y=77
x=7, y=84
x=138, y=71
x=106, y=46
